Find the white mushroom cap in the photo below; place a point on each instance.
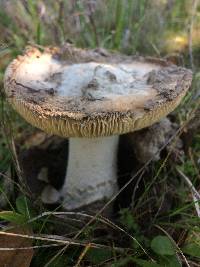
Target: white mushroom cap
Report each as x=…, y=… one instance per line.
x=82, y=93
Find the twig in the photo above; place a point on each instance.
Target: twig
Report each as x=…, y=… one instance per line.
x=195, y=193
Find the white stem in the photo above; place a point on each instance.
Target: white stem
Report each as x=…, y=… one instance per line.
x=91, y=172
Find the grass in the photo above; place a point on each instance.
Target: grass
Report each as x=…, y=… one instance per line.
x=161, y=228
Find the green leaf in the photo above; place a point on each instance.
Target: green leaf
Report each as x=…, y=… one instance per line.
x=161, y=245
x=97, y=256
x=12, y=216
x=192, y=249
x=128, y=220
x=23, y=206
x=144, y=263
x=170, y=261
x=122, y=262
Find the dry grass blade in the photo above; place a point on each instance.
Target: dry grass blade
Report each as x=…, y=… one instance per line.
x=100, y=219
x=85, y=250
x=31, y=247
x=194, y=9
x=60, y=239
x=195, y=193
x=7, y=131
x=174, y=243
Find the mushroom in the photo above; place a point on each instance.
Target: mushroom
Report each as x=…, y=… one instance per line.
x=91, y=98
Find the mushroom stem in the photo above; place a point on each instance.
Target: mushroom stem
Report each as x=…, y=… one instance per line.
x=91, y=172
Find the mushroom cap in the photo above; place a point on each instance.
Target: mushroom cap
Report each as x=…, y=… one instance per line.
x=73, y=92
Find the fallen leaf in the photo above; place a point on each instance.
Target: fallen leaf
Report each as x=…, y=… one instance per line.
x=17, y=257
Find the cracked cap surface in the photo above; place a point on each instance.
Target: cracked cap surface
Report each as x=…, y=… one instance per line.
x=73, y=92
